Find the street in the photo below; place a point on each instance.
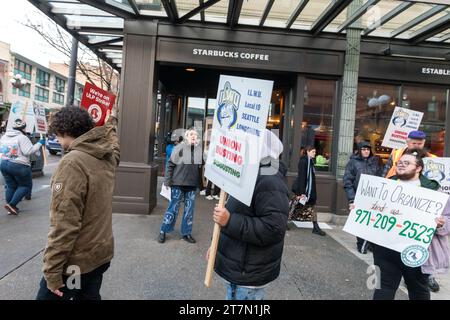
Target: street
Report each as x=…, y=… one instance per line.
x=313, y=267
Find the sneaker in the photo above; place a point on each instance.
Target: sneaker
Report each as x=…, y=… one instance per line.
x=11, y=210
x=189, y=238
x=209, y=197
x=432, y=284
x=216, y=197
x=162, y=237
x=28, y=197
x=203, y=192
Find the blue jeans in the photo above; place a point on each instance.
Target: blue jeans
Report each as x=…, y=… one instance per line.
x=18, y=181
x=235, y=292
x=170, y=218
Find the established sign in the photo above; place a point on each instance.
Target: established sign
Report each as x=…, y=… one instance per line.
x=436, y=71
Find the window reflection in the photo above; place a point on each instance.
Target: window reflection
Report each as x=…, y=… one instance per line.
x=317, y=124
x=375, y=105
x=433, y=103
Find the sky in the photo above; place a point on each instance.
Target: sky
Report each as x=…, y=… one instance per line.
x=23, y=40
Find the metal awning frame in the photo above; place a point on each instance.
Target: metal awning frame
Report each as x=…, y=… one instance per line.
x=131, y=10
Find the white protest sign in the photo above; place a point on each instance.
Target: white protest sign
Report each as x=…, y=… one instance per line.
x=394, y=214
x=236, y=138
x=438, y=169
x=40, y=119
x=403, y=121
x=22, y=110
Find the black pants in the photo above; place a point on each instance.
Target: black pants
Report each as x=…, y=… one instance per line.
x=362, y=245
x=89, y=289
x=215, y=191
x=392, y=269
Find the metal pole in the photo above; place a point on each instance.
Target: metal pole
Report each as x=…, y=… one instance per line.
x=72, y=73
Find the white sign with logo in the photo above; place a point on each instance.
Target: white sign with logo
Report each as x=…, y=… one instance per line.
x=242, y=107
x=40, y=119
x=394, y=214
x=403, y=121
x=438, y=169
x=24, y=111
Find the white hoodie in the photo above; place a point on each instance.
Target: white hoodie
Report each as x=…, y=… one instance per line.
x=16, y=147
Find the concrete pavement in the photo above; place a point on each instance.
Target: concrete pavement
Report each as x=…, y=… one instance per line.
x=313, y=267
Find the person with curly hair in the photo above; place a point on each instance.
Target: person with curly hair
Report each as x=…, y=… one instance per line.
x=80, y=238
x=16, y=149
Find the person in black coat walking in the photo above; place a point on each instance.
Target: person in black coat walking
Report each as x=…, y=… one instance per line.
x=363, y=162
x=305, y=192
x=252, y=237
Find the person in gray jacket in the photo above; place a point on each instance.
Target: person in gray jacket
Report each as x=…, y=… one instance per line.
x=363, y=162
x=183, y=176
x=16, y=149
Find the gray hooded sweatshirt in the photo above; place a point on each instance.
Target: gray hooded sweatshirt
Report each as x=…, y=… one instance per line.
x=17, y=148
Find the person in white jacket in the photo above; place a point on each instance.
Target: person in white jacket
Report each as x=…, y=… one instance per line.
x=16, y=149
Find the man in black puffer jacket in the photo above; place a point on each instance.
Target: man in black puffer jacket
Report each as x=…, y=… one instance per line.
x=363, y=162
x=252, y=237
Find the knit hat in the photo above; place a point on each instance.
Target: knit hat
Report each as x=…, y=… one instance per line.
x=417, y=134
x=364, y=144
x=19, y=124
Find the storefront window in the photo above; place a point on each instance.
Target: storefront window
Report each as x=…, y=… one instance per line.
x=317, y=124
x=276, y=112
x=195, y=114
x=433, y=103
x=374, y=107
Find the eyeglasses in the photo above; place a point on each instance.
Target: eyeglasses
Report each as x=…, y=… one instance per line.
x=405, y=163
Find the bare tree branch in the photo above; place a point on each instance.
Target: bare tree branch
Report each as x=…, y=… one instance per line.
x=90, y=65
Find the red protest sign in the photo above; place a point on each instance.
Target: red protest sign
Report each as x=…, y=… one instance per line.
x=97, y=102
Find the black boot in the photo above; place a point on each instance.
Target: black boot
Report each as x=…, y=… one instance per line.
x=432, y=284
x=316, y=229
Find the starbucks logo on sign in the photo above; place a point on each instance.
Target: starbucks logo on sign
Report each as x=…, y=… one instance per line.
x=96, y=112
x=414, y=256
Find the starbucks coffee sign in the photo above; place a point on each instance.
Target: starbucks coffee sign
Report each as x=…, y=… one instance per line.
x=230, y=54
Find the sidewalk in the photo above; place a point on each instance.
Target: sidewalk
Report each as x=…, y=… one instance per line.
x=313, y=267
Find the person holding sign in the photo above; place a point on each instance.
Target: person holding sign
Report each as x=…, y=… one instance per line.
x=409, y=171
x=363, y=162
x=416, y=141
x=252, y=237
x=304, y=188
x=80, y=242
x=16, y=150
x=183, y=176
